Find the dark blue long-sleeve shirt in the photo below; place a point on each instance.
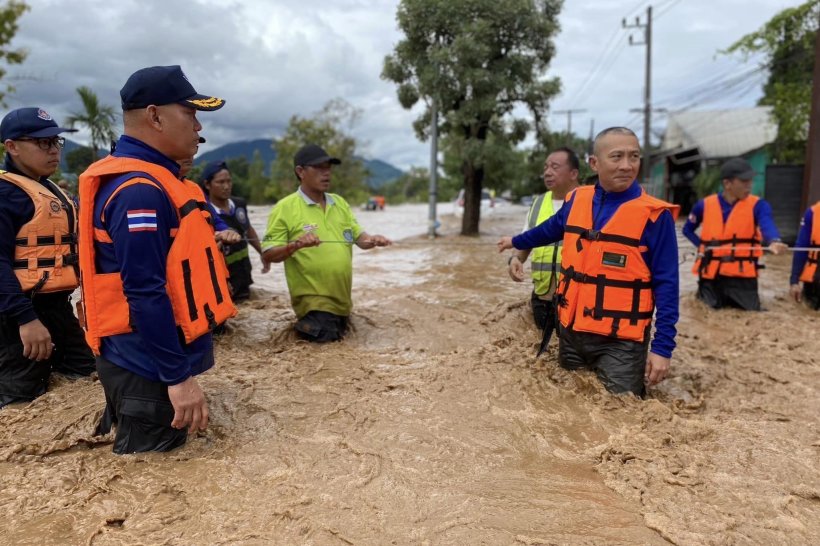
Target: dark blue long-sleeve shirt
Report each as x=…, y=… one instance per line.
x=154, y=349
x=16, y=209
x=803, y=240
x=661, y=255
x=762, y=213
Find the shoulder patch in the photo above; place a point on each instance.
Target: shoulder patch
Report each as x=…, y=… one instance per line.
x=142, y=220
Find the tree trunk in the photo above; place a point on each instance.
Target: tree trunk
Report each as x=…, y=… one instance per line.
x=473, y=178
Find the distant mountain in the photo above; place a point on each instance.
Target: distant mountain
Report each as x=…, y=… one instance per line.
x=381, y=172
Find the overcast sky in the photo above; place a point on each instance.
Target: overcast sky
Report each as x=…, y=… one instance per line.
x=271, y=59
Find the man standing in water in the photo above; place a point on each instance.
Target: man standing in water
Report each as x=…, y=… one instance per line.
x=620, y=263
x=38, y=262
x=154, y=281
x=806, y=264
x=561, y=170
x=320, y=278
x=730, y=239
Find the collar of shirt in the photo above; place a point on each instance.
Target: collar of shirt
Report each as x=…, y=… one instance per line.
x=136, y=149
x=309, y=201
x=628, y=194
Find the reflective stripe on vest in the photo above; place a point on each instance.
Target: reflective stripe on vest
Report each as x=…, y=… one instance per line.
x=606, y=286
x=196, y=274
x=44, y=248
x=740, y=229
x=811, y=271
x=545, y=260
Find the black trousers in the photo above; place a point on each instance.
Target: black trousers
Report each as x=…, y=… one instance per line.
x=23, y=379
x=811, y=294
x=720, y=292
x=543, y=312
x=240, y=279
x=140, y=409
x=321, y=327
x=619, y=364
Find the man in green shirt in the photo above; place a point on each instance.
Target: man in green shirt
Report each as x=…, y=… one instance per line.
x=319, y=275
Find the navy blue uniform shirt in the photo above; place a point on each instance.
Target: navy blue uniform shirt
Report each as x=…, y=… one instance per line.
x=661, y=255
x=803, y=240
x=139, y=252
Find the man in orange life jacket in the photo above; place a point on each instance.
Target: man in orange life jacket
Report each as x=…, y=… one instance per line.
x=619, y=263
x=154, y=281
x=730, y=239
x=806, y=264
x=38, y=330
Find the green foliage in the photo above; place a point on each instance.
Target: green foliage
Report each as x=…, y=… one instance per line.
x=411, y=187
x=327, y=128
x=9, y=14
x=98, y=118
x=788, y=42
x=478, y=59
x=78, y=159
x=707, y=182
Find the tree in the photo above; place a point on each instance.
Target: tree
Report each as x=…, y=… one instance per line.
x=787, y=42
x=327, y=128
x=98, y=118
x=9, y=14
x=412, y=186
x=478, y=60
x=78, y=159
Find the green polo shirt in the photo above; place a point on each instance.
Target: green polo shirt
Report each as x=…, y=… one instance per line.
x=320, y=278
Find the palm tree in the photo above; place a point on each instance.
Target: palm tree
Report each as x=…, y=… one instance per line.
x=98, y=118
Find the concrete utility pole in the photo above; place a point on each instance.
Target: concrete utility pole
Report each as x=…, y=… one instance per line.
x=432, y=200
x=647, y=108
x=569, y=121
x=811, y=172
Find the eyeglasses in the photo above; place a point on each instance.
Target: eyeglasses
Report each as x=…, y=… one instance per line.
x=45, y=144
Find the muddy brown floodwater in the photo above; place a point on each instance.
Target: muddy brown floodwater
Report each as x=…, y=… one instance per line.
x=433, y=423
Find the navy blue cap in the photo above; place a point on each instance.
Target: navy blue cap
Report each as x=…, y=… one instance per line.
x=211, y=169
x=30, y=122
x=311, y=154
x=159, y=85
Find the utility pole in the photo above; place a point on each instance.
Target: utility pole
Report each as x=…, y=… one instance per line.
x=432, y=200
x=811, y=172
x=591, y=137
x=569, y=121
x=647, y=108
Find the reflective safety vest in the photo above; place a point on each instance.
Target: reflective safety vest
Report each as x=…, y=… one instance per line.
x=196, y=275
x=811, y=271
x=545, y=260
x=45, y=253
x=717, y=257
x=605, y=285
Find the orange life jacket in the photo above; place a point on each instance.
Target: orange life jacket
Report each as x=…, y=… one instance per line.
x=811, y=271
x=716, y=255
x=45, y=255
x=196, y=275
x=605, y=286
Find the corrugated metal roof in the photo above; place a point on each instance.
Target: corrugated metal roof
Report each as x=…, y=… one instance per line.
x=720, y=133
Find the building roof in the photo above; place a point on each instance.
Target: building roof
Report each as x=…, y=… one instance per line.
x=720, y=133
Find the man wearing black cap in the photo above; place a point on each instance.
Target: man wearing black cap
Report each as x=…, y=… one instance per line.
x=154, y=281
x=729, y=244
x=217, y=182
x=319, y=278
x=38, y=262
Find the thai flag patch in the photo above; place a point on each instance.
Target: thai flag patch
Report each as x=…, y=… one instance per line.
x=142, y=220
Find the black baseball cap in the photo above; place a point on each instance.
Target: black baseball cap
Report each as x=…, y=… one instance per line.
x=311, y=154
x=30, y=122
x=212, y=168
x=737, y=167
x=159, y=85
